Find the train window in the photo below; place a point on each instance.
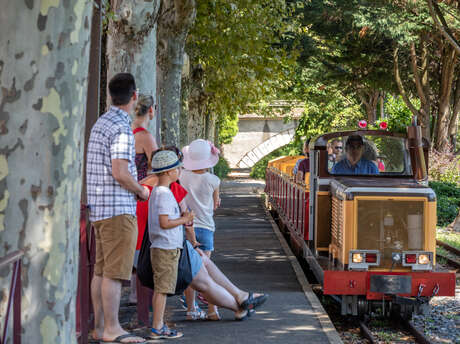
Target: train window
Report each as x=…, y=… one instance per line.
x=368, y=155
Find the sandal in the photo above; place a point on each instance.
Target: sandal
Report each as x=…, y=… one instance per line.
x=197, y=314
x=245, y=315
x=214, y=316
x=165, y=333
x=119, y=339
x=253, y=302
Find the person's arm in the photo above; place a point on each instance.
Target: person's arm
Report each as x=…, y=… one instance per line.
x=167, y=223
x=216, y=198
x=120, y=173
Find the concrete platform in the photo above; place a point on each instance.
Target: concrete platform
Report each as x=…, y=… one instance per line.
x=249, y=251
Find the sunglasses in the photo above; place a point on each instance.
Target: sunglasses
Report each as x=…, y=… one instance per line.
x=338, y=147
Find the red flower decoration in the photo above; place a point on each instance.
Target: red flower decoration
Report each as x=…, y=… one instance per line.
x=383, y=125
x=362, y=124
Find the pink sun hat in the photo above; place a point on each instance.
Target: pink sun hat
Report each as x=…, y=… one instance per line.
x=200, y=154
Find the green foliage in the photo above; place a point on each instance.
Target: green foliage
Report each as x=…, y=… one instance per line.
x=399, y=115
x=327, y=110
x=222, y=169
x=448, y=201
x=259, y=169
x=228, y=128
x=237, y=46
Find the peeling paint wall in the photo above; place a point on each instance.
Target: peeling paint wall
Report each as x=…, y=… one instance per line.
x=43, y=77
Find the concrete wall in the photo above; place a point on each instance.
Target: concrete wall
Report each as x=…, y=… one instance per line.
x=256, y=138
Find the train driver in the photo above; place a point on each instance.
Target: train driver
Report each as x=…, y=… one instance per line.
x=354, y=162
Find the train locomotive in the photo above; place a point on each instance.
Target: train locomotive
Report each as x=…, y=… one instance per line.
x=368, y=238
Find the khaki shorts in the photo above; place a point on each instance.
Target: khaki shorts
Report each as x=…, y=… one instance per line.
x=116, y=240
x=165, y=264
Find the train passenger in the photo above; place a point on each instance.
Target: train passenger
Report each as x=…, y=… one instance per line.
x=303, y=165
x=202, y=197
x=354, y=162
x=165, y=223
x=305, y=151
x=335, y=154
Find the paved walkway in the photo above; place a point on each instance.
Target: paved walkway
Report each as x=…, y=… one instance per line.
x=250, y=254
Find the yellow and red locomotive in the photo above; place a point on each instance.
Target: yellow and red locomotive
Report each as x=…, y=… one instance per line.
x=366, y=227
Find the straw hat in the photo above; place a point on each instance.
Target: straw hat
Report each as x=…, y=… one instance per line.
x=200, y=154
x=165, y=161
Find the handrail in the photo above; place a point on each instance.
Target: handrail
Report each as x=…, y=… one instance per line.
x=14, y=297
x=11, y=258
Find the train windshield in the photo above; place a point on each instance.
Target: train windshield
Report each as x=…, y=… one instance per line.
x=368, y=155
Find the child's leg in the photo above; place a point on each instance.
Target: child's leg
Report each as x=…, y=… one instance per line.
x=190, y=299
x=159, y=305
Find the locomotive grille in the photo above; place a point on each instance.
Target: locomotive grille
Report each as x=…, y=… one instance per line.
x=337, y=222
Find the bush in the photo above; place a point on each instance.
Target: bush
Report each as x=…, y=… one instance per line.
x=444, y=167
x=222, y=169
x=448, y=201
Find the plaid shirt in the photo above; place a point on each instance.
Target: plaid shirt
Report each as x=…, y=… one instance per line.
x=111, y=138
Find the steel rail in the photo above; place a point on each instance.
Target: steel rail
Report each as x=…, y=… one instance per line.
x=448, y=247
x=366, y=333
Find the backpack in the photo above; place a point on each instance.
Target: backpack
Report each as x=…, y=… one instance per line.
x=144, y=264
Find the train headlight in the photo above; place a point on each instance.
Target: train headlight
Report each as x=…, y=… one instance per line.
x=362, y=259
x=357, y=258
x=423, y=259
x=418, y=260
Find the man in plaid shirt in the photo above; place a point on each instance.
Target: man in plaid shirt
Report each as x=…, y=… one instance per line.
x=113, y=189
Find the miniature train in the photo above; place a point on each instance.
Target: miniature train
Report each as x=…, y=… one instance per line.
x=368, y=238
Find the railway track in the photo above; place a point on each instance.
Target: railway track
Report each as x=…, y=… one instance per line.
x=404, y=329
x=453, y=254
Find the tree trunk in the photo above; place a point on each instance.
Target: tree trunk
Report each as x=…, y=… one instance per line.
x=448, y=59
x=176, y=17
x=456, y=224
x=132, y=42
x=43, y=73
x=453, y=126
x=370, y=101
x=197, y=106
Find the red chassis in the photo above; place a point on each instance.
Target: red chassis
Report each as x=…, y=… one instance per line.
x=358, y=283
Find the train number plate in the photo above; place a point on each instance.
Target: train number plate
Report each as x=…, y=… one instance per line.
x=391, y=284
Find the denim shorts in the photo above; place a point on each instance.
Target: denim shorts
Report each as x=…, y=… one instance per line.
x=206, y=238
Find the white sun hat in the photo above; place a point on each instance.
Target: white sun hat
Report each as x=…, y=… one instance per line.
x=200, y=154
x=165, y=160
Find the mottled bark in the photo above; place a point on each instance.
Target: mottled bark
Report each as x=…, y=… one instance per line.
x=43, y=73
x=176, y=17
x=197, y=106
x=132, y=42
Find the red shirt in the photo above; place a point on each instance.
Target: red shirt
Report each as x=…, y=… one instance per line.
x=142, y=210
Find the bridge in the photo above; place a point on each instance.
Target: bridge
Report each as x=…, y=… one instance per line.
x=258, y=136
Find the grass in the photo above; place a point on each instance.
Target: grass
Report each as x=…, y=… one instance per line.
x=449, y=237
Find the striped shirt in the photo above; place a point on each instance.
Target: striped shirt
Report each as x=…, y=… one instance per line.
x=111, y=138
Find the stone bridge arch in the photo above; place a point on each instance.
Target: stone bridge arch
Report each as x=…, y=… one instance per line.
x=257, y=137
